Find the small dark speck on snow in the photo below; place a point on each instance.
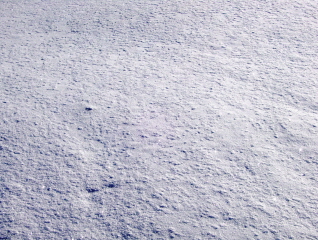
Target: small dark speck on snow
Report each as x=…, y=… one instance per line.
x=88, y=109
x=91, y=190
x=111, y=185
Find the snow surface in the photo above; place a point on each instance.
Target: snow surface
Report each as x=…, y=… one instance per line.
x=159, y=119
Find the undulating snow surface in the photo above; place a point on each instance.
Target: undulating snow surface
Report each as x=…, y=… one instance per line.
x=157, y=119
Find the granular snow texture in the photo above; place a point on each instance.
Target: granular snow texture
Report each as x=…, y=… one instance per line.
x=158, y=119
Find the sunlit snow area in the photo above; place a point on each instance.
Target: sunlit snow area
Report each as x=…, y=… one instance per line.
x=157, y=119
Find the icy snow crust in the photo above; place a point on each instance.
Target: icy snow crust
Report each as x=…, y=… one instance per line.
x=158, y=119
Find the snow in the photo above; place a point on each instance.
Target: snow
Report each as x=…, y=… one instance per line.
x=158, y=119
